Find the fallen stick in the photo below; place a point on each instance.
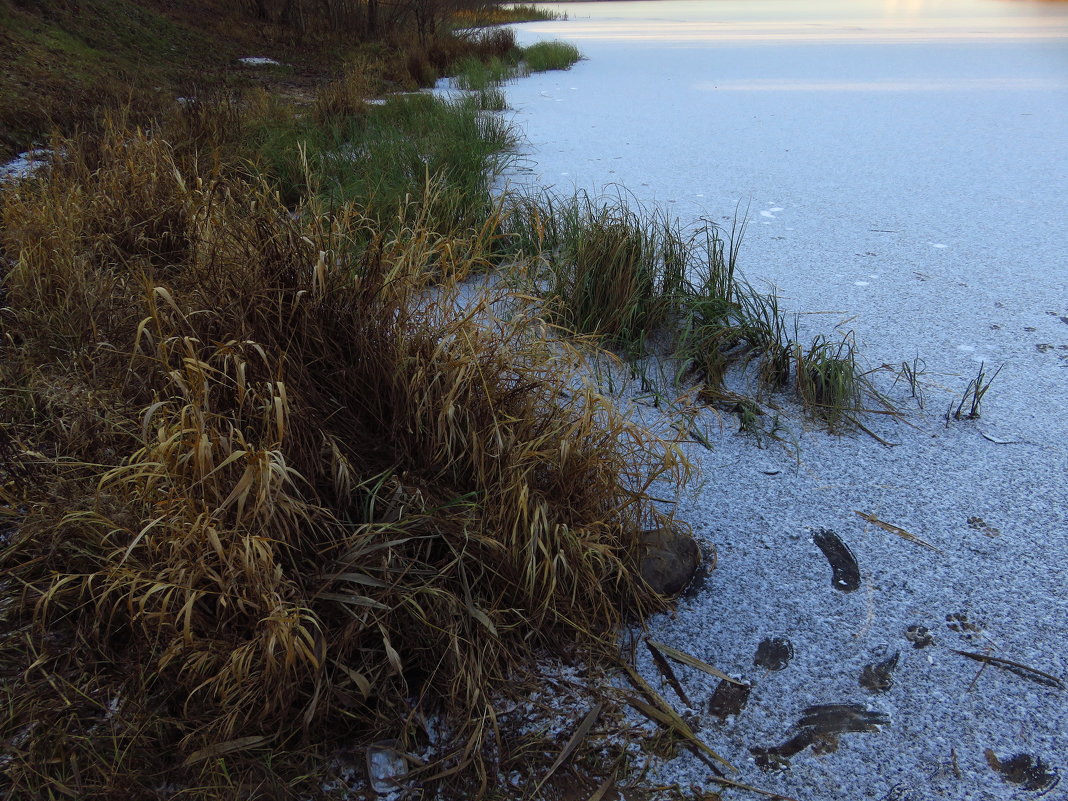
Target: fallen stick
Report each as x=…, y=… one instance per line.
x=895, y=530
x=1020, y=669
x=751, y=788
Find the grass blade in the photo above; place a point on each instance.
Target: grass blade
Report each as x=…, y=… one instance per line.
x=895, y=530
x=353, y=600
x=672, y=721
x=581, y=733
x=228, y=747
x=751, y=788
x=692, y=661
x=669, y=674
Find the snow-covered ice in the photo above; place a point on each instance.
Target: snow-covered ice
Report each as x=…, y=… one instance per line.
x=918, y=151
x=24, y=165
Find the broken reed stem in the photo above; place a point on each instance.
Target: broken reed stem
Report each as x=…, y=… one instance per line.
x=1018, y=668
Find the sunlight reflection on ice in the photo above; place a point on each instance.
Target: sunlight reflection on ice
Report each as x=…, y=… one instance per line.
x=899, y=21
x=933, y=85
x=783, y=33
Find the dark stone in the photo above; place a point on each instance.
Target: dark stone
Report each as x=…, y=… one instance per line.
x=669, y=559
x=845, y=574
x=697, y=584
x=774, y=653
x=879, y=676
x=729, y=699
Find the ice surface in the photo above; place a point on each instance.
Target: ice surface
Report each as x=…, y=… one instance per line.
x=924, y=143
x=23, y=165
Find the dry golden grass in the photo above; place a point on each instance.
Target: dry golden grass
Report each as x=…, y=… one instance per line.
x=273, y=489
x=346, y=95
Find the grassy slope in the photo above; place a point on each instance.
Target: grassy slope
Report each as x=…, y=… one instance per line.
x=60, y=62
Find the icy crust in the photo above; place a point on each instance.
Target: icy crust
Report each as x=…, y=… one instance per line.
x=898, y=187
x=24, y=165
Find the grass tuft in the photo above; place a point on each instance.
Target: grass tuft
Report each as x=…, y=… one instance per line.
x=344, y=98
x=484, y=70
x=973, y=395
x=384, y=157
x=554, y=55
x=271, y=487
x=828, y=380
x=645, y=286
x=505, y=15
x=912, y=373
x=477, y=75
x=604, y=267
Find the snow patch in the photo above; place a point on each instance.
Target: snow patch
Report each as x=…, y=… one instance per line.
x=24, y=165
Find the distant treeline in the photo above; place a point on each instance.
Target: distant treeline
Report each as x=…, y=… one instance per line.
x=365, y=18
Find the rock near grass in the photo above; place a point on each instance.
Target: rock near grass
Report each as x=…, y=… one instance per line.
x=669, y=560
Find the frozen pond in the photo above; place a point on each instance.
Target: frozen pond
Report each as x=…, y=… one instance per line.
x=905, y=167
x=888, y=138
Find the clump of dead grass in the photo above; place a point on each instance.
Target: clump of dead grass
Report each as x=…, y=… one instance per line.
x=75, y=241
x=346, y=96
x=328, y=497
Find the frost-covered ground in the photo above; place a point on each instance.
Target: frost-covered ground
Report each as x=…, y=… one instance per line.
x=22, y=165
x=905, y=166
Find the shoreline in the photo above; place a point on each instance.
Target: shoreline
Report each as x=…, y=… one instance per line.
x=859, y=701
x=985, y=492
